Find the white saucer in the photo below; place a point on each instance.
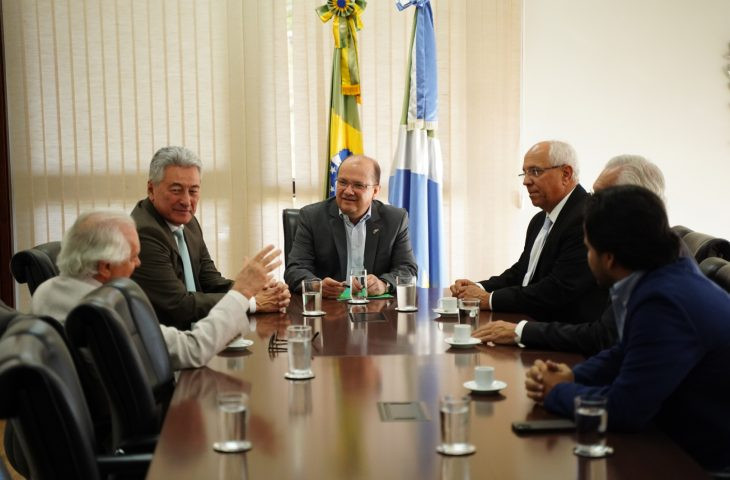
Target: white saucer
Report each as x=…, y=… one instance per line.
x=360, y=301
x=406, y=309
x=469, y=343
x=467, y=451
x=292, y=376
x=446, y=313
x=239, y=344
x=496, y=386
x=314, y=313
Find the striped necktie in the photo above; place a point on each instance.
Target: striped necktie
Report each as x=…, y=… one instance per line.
x=536, y=250
x=185, y=255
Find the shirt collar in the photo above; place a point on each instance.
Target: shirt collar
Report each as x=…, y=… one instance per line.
x=362, y=220
x=174, y=228
x=553, y=215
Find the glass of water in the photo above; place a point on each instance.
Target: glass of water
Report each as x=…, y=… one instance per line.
x=454, y=412
x=232, y=413
x=312, y=296
x=359, y=277
x=299, y=348
x=591, y=418
x=405, y=286
x=469, y=312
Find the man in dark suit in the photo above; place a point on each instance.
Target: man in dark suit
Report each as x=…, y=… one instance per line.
x=182, y=286
x=669, y=367
x=595, y=334
x=351, y=231
x=551, y=280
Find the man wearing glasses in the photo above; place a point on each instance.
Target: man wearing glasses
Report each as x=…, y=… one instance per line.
x=551, y=280
x=351, y=231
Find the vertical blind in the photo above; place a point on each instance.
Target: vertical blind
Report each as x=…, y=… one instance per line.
x=95, y=87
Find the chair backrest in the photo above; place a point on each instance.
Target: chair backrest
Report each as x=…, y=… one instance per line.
x=290, y=217
x=44, y=401
x=681, y=230
x=717, y=270
x=118, y=326
x=703, y=246
x=35, y=265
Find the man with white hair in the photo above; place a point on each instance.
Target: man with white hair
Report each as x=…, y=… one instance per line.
x=597, y=333
x=551, y=280
x=101, y=246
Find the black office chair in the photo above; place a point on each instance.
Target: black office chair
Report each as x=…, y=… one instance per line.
x=703, y=246
x=290, y=218
x=43, y=400
x=717, y=270
x=35, y=265
x=118, y=326
x=681, y=230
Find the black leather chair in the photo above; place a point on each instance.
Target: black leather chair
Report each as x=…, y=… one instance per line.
x=681, y=230
x=35, y=265
x=290, y=218
x=703, y=246
x=717, y=270
x=118, y=325
x=43, y=400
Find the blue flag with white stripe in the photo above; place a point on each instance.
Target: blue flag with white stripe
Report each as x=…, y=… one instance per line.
x=417, y=173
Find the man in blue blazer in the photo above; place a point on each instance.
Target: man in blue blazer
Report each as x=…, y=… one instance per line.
x=670, y=365
x=351, y=230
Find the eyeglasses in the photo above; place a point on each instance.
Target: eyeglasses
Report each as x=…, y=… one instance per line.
x=356, y=186
x=535, y=172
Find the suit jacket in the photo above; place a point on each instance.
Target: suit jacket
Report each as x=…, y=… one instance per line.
x=320, y=245
x=562, y=287
x=670, y=367
x=587, y=338
x=161, y=273
x=57, y=296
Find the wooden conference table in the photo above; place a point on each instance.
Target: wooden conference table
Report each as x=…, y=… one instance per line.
x=330, y=427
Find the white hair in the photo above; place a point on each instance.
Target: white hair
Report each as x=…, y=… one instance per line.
x=94, y=237
x=561, y=153
x=177, y=156
x=637, y=170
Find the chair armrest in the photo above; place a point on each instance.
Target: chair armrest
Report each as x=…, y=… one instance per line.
x=135, y=463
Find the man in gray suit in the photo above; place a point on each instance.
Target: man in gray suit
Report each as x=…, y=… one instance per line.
x=351, y=231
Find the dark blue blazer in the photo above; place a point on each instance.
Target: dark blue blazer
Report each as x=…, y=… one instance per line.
x=671, y=366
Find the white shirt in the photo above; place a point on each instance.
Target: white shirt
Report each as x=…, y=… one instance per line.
x=355, y=235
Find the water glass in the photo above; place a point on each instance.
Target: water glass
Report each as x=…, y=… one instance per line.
x=405, y=286
x=469, y=311
x=591, y=418
x=312, y=296
x=454, y=412
x=359, y=276
x=232, y=413
x=299, y=348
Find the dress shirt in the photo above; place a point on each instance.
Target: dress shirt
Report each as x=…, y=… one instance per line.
x=620, y=294
x=251, y=301
x=355, y=235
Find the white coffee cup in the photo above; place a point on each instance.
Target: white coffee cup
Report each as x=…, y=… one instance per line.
x=483, y=376
x=462, y=333
x=448, y=304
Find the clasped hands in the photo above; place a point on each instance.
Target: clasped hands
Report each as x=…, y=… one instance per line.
x=464, y=288
x=331, y=288
x=542, y=377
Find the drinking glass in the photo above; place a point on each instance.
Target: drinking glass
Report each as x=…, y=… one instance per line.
x=591, y=418
x=405, y=286
x=469, y=312
x=299, y=348
x=312, y=296
x=232, y=413
x=359, y=276
x=454, y=412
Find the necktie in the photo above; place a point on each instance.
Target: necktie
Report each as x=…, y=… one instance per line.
x=185, y=255
x=536, y=249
